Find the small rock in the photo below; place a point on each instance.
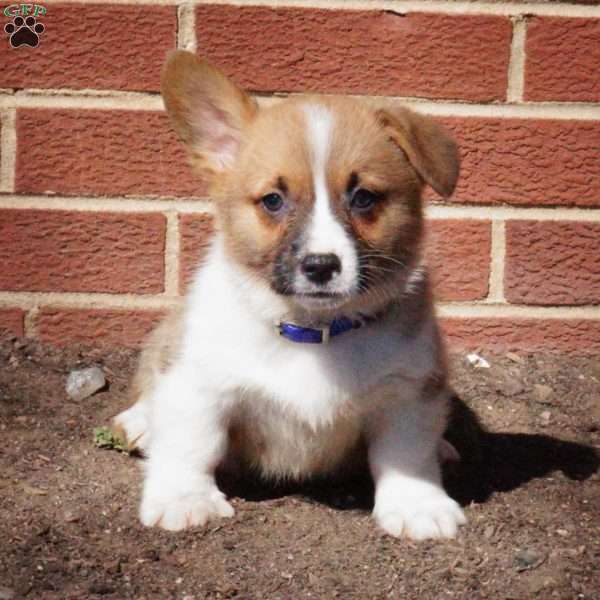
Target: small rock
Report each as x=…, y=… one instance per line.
x=545, y=417
x=489, y=532
x=477, y=361
x=562, y=532
x=511, y=387
x=71, y=517
x=7, y=593
x=34, y=491
x=528, y=559
x=542, y=392
x=514, y=357
x=83, y=383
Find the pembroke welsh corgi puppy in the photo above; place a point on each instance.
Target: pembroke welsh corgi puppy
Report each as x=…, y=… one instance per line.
x=309, y=329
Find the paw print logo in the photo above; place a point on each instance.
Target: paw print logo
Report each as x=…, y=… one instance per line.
x=24, y=32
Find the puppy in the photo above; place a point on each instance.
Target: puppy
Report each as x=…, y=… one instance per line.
x=309, y=329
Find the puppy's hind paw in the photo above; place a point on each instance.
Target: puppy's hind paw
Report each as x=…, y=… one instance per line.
x=436, y=516
x=183, y=511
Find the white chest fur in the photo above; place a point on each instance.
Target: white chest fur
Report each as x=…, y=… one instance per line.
x=232, y=339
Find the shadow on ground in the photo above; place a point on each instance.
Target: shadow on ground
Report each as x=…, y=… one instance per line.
x=490, y=462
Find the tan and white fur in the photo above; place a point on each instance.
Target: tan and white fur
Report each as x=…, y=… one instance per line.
x=217, y=385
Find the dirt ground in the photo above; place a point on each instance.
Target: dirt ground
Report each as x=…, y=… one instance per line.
x=529, y=481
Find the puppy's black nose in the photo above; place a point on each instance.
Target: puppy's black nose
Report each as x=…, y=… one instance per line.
x=319, y=268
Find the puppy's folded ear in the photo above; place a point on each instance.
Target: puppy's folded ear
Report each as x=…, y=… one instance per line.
x=431, y=152
x=207, y=110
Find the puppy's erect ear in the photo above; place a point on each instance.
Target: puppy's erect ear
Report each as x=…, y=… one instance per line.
x=432, y=153
x=207, y=110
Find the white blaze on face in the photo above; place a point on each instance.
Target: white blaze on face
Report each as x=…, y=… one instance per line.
x=325, y=233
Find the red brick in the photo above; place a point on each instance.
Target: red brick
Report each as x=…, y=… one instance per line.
x=563, y=59
x=528, y=161
x=581, y=336
x=458, y=253
x=98, y=152
x=100, y=327
x=195, y=233
x=549, y=263
x=359, y=52
x=82, y=252
x=94, y=46
x=11, y=322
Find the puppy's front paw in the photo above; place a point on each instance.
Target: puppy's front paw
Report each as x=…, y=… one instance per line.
x=175, y=512
x=434, y=515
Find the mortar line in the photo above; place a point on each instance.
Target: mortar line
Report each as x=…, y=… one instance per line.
x=516, y=64
x=172, y=254
x=82, y=93
x=186, y=33
x=85, y=301
x=104, y=204
x=447, y=107
x=68, y=300
x=497, y=262
x=205, y=206
x=489, y=310
x=8, y=150
x=93, y=99
x=524, y=110
x=428, y=6
x=401, y=6
x=503, y=213
x=30, y=322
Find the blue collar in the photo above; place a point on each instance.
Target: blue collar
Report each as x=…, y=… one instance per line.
x=309, y=335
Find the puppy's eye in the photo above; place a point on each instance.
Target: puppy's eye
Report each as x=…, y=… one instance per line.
x=363, y=200
x=272, y=202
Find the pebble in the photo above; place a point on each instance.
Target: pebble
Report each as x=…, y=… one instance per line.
x=562, y=532
x=477, y=361
x=34, y=491
x=542, y=392
x=71, y=517
x=545, y=417
x=528, y=559
x=83, y=383
x=489, y=532
x=511, y=387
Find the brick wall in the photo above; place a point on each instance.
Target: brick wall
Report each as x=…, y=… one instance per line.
x=101, y=220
